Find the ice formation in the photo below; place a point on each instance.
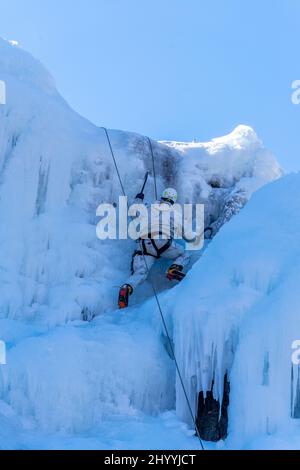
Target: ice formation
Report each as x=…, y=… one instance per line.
x=236, y=310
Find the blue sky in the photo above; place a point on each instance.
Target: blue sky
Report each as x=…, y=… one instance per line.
x=171, y=69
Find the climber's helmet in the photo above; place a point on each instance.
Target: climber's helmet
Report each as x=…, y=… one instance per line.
x=169, y=195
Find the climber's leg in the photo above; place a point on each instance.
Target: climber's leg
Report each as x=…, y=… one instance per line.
x=177, y=253
x=140, y=268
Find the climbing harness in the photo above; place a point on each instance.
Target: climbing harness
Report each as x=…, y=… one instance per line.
x=159, y=251
x=144, y=252
x=156, y=295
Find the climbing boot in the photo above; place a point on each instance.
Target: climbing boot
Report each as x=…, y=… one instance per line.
x=124, y=294
x=175, y=273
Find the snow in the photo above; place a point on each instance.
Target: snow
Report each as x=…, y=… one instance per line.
x=127, y=433
x=92, y=372
x=233, y=158
x=22, y=66
x=110, y=382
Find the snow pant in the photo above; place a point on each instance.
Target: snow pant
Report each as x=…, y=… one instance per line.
x=140, y=270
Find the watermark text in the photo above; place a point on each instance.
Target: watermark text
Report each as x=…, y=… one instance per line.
x=2, y=92
x=158, y=221
x=296, y=353
x=2, y=353
x=296, y=92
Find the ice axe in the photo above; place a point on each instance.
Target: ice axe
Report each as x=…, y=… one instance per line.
x=141, y=195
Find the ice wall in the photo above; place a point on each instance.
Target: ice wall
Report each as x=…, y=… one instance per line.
x=237, y=311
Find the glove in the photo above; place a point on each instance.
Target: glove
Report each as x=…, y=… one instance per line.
x=140, y=196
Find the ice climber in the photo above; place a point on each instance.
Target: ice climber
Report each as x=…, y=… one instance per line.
x=159, y=243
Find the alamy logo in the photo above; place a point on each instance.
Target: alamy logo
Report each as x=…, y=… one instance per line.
x=2, y=353
x=296, y=93
x=2, y=92
x=296, y=353
x=158, y=221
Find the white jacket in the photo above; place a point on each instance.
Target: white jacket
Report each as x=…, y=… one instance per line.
x=162, y=220
x=166, y=221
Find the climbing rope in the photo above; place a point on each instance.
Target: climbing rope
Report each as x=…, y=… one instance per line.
x=153, y=166
x=156, y=297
